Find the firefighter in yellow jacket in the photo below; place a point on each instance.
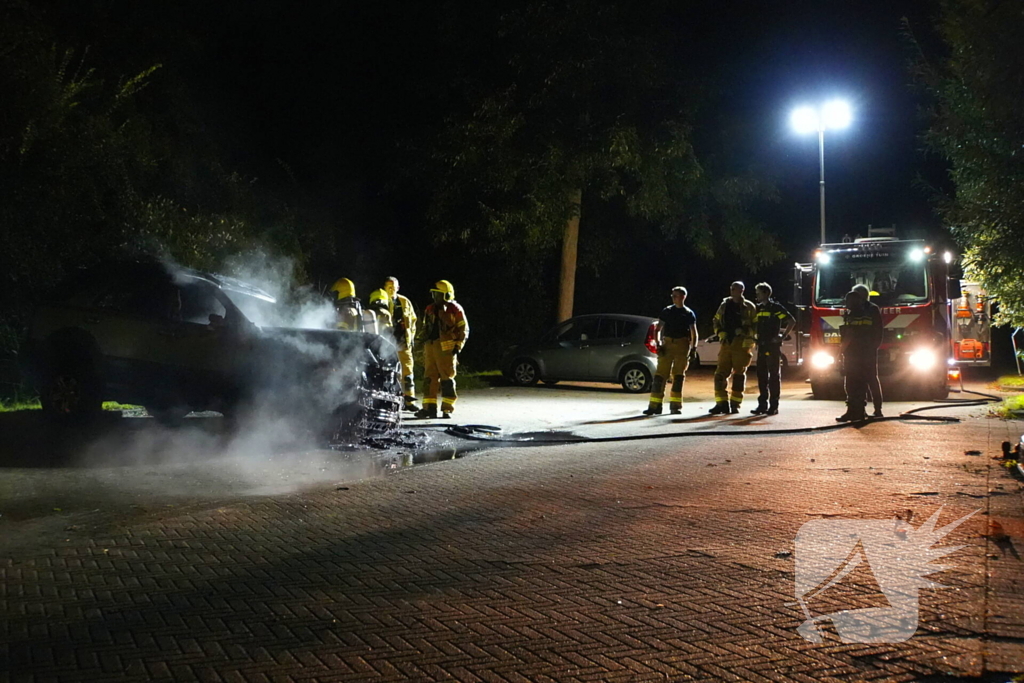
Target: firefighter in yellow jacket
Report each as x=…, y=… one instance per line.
x=734, y=323
x=444, y=333
x=346, y=304
x=403, y=316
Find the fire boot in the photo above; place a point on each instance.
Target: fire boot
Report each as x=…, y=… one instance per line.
x=759, y=410
x=852, y=416
x=877, y=413
x=675, y=409
x=734, y=407
x=653, y=409
x=721, y=408
x=409, y=403
x=429, y=411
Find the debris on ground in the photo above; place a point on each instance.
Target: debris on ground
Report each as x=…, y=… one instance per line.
x=996, y=533
x=784, y=554
x=976, y=452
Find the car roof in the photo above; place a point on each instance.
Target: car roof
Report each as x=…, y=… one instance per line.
x=144, y=267
x=617, y=316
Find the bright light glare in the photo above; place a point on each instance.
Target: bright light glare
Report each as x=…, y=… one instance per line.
x=804, y=120
x=923, y=359
x=916, y=255
x=947, y=257
x=822, y=359
x=824, y=258
x=836, y=114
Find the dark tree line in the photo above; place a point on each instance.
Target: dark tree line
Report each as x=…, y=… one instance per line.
x=976, y=81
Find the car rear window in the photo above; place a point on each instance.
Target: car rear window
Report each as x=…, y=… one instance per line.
x=616, y=328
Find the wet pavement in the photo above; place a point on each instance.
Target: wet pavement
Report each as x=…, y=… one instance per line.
x=132, y=551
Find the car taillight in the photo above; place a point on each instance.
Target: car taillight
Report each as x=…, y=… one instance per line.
x=650, y=342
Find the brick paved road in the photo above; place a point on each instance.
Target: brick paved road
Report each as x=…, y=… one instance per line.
x=612, y=562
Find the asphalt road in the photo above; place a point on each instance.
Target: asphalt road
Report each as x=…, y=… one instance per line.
x=133, y=551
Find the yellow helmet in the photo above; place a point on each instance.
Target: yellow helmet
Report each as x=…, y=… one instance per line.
x=343, y=288
x=378, y=296
x=445, y=288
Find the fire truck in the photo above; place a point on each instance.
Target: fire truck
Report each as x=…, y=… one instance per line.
x=922, y=342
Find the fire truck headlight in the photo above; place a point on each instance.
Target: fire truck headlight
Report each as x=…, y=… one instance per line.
x=822, y=359
x=923, y=359
x=916, y=255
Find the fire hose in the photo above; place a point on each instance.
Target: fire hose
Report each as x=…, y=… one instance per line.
x=491, y=433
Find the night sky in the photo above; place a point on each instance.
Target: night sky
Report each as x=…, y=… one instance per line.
x=321, y=95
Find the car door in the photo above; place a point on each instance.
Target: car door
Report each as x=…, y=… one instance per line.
x=564, y=351
x=613, y=341
x=152, y=342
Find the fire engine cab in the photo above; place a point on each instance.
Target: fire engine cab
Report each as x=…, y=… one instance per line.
x=922, y=341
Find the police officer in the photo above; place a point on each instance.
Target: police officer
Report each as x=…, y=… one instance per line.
x=676, y=338
x=774, y=323
x=734, y=325
x=861, y=336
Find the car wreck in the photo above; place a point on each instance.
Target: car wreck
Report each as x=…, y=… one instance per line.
x=177, y=340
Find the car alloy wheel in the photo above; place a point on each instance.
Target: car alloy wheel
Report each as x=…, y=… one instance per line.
x=65, y=394
x=635, y=379
x=525, y=373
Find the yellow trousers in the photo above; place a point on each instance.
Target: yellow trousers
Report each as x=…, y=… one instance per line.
x=408, y=378
x=673, y=359
x=440, y=366
x=733, y=359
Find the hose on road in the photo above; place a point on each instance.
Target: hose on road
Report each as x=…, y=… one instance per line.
x=492, y=433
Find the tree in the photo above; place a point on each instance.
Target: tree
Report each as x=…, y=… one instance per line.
x=976, y=124
x=564, y=105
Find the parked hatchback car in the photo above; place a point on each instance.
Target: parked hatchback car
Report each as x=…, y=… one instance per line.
x=588, y=348
x=177, y=340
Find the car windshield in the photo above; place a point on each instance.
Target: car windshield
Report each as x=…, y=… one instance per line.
x=258, y=311
x=892, y=282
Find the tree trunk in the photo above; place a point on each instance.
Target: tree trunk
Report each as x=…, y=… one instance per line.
x=570, y=239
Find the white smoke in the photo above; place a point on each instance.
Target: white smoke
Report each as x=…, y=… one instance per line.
x=277, y=442
x=299, y=304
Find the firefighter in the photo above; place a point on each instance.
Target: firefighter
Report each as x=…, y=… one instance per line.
x=347, y=305
x=403, y=317
x=676, y=338
x=444, y=333
x=774, y=323
x=378, y=306
x=861, y=336
x=734, y=325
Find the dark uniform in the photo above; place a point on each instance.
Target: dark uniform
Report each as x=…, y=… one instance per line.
x=772, y=320
x=861, y=335
x=673, y=357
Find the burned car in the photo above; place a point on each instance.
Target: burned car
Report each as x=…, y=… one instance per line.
x=177, y=340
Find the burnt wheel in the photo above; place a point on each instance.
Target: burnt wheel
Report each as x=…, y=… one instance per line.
x=71, y=389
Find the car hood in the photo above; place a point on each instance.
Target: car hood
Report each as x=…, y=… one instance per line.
x=325, y=344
